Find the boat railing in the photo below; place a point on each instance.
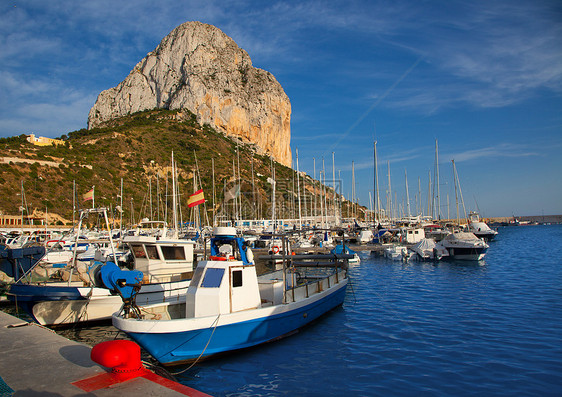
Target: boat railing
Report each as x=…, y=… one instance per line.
x=294, y=263
x=167, y=277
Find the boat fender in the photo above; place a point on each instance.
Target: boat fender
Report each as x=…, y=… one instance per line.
x=249, y=255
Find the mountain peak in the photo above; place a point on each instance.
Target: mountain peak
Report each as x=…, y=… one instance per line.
x=199, y=68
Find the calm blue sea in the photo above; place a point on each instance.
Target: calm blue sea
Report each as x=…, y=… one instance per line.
x=453, y=328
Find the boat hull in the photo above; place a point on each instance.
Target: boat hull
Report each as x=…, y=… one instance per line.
x=467, y=254
x=486, y=236
x=185, y=340
x=56, y=305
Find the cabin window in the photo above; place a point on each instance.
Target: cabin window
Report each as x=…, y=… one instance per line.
x=173, y=253
x=138, y=251
x=237, y=278
x=213, y=278
x=196, y=277
x=151, y=251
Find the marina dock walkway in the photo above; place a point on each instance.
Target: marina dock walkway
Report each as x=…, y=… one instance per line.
x=35, y=361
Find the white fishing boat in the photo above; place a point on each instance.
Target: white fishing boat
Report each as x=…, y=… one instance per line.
x=228, y=307
x=161, y=258
x=76, y=293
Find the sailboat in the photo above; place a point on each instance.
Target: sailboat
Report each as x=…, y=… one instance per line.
x=463, y=245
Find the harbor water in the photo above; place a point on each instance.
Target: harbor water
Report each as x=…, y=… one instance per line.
x=490, y=328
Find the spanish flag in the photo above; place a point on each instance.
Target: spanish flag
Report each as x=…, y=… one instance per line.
x=196, y=199
x=89, y=195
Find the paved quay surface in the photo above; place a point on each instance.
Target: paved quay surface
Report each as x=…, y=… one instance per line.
x=35, y=361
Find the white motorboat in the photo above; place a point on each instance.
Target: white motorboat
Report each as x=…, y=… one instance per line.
x=428, y=250
x=480, y=229
x=464, y=246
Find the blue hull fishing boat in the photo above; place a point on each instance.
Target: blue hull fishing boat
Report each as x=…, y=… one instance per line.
x=78, y=293
x=228, y=307
x=16, y=261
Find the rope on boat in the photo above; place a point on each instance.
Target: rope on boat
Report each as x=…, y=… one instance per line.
x=216, y=322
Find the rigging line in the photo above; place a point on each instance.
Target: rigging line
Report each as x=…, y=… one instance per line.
x=374, y=105
x=216, y=322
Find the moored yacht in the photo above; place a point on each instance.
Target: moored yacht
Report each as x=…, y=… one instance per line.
x=479, y=228
x=464, y=246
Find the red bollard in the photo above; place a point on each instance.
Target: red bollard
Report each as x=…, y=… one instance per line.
x=122, y=356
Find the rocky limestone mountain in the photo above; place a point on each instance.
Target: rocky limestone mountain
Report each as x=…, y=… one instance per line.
x=198, y=67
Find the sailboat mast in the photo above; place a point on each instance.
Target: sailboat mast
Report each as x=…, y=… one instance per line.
x=235, y=201
x=315, y=194
x=353, y=186
x=158, y=217
x=73, y=202
x=419, y=209
x=214, y=198
x=389, y=200
x=460, y=190
x=150, y=196
x=336, y=222
x=239, y=198
x=253, y=188
x=456, y=194
x=437, y=180
x=407, y=195
x=121, y=211
x=273, y=194
x=299, y=191
x=376, y=196
x=174, y=198
x=324, y=194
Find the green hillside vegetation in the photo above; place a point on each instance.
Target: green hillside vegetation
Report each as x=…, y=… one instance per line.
x=138, y=149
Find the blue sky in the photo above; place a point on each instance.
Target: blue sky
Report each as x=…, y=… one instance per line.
x=484, y=78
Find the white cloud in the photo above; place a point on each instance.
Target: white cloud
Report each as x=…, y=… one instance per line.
x=501, y=150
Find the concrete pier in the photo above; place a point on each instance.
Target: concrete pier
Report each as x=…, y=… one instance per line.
x=35, y=361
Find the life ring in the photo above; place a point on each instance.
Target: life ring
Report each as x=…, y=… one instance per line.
x=217, y=258
x=275, y=250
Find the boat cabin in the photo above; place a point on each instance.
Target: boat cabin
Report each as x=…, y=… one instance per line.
x=413, y=235
x=225, y=283
x=162, y=260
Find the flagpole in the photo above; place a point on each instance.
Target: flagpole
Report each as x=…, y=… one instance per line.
x=93, y=196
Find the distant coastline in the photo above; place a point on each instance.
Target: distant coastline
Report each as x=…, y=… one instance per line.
x=530, y=219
